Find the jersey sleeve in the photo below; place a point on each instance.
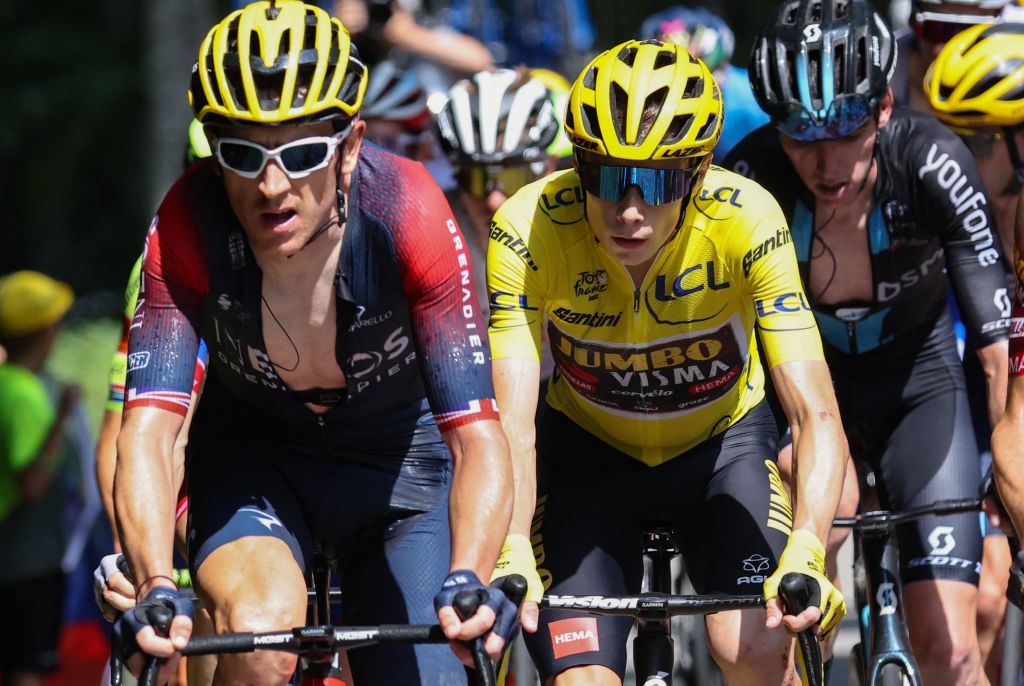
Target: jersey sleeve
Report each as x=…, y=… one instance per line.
x=515, y=284
x=448, y=326
x=119, y=364
x=768, y=263
x=948, y=182
x=163, y=338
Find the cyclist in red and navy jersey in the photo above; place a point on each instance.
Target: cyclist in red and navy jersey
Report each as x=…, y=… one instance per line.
x=348, y=408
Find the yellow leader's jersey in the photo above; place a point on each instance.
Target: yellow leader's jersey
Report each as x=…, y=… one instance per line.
x=655, y=370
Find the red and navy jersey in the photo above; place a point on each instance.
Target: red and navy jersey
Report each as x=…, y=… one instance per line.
x=410, y=337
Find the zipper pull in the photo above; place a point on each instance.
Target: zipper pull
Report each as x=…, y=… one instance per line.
x=320, y=420
x=636, y=301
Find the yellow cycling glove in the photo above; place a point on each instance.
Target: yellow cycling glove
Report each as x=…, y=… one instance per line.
x=517, y=558
x=804, y=554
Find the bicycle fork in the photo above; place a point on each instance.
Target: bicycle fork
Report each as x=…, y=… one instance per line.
x=886, y=626
x=653, y=648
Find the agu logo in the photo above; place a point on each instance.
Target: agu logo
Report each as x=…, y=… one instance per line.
x=573, y=636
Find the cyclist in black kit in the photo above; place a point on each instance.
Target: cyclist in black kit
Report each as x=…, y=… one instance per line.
x=881, y=204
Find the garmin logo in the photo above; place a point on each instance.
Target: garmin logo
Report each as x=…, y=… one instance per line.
x=969, y=202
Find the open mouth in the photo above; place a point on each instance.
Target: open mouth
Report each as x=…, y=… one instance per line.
x=278, y=221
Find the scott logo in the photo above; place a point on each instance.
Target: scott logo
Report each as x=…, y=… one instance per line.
x=941, y=540
x=1002, y=301
x=756, y=563
x=812, y=32
x=886, y=597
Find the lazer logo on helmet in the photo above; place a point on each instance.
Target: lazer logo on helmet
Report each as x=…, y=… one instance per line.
x=969, y=202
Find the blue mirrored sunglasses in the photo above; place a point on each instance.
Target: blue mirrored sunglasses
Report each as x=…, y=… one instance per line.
x=657, y=186
x=845, y=115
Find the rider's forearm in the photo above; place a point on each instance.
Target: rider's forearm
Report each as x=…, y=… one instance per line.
x=480, y=504
x=993, y=358
x=819, y=461
x=144, y=491
x=106, y=463
x=1008, y=455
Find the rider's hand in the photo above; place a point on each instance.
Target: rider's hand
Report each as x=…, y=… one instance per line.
x=992, y=506
x=495, y=618
x=804, y=554
x=113, y=589
x=517, y=558
x=135, y=632
x=1015, y=587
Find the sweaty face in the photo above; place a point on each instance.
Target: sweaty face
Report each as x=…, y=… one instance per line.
x=278, y=213
x=834, y=171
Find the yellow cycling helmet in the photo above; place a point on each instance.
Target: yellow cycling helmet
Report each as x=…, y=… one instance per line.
x=978, y=78
x=558, y=88
x=277, y=62
x=607, y=104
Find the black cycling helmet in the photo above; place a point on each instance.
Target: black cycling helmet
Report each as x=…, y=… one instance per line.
x=821, y=66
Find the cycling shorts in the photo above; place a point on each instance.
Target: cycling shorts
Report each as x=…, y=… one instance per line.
x=913, y=430
x=723, y=498
x=383, y=516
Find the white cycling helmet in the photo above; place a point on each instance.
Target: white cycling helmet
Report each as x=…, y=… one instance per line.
x=394, y=94
x=497, y=117
x=980, y=4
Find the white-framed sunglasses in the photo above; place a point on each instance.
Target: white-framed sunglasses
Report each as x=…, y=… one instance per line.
x=298, y=159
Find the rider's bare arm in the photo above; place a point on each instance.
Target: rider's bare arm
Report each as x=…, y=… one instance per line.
x=516, y=385
x=481, y=499
x=993, y=358
x=819, y=446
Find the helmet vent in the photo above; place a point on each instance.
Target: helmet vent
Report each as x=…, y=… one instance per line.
x=1015, y=93
x=709, y=126
x=814, y=74
x=590, y=121
x=863, y=68
x=839, y=65
x=665, y=58
x=789, y=14
x=627, y=56
x=694, y=87
x=590, y=80
x=677, y=129
x=619, y=103
x=945, y=90
x=840, y=9
x=815, y=13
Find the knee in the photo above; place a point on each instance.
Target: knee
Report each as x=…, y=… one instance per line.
x=761, y=657
x=952, y=651
x=265, y=668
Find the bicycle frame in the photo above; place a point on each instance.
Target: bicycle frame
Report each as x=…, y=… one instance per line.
x=880, y=604
x=883, y=627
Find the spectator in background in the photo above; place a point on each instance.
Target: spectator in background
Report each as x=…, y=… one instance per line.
x=707, y=37
x=31, y=455
x=932, y=24
x=379, y=27
x=553, y=34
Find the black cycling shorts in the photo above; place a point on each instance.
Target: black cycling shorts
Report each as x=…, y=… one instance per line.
x=913, y=430
x=724, y=498
x=384, y=516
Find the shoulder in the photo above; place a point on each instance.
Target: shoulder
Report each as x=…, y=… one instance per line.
x=393, y=188
x=922, y=146
x=728, y=195
x=554, y=201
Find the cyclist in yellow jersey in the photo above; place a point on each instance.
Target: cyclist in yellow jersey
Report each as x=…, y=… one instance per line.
x=654, y=272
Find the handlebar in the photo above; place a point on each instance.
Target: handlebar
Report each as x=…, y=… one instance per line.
x=883, y=520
